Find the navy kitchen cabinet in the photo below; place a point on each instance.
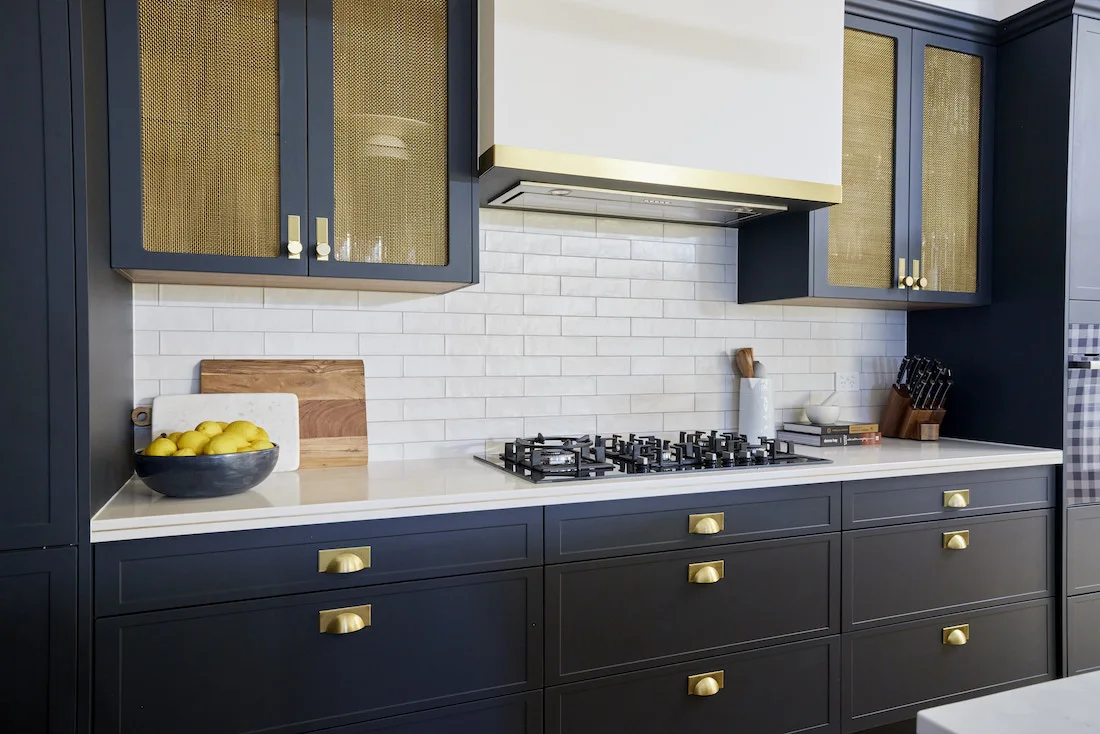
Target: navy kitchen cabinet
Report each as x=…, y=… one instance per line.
x=38, y=331
x=297, y=143
x=914, y=230
x=38, y=611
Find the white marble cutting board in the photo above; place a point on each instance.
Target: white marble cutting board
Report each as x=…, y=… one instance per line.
x=276, y=412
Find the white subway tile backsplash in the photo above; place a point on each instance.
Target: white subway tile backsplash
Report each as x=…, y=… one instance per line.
x=578, y=325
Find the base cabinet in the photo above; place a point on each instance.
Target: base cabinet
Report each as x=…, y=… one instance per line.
x=789, y=688
x=38, y=640
x=520, y=714
x=1083, y=634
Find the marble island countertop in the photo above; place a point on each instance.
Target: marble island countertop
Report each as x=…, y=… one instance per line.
x=1064, y=706
x=409, y=488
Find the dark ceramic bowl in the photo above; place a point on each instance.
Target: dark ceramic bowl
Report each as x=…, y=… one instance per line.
x=205, y=476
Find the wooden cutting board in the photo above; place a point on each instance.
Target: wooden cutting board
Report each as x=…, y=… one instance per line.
x=332, y=401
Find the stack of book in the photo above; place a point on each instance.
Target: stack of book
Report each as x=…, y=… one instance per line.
x=839, y=434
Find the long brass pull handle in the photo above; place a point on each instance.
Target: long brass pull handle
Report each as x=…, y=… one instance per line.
x=343, y=560
x=709, y=524
x=957, y=498
x=294, y=237
x=958, y=635
x=958, y=540
x=344, y=621
x=710, y=572
x=918, y=281
x=706, y=684
x=904, y=281
x=323, y=248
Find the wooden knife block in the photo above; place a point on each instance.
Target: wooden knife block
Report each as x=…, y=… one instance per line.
x=901, y=420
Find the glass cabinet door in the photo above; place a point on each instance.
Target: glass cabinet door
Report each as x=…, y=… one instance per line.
x=208, y=133
x=389, y=138
x=866, y=234
x=952, y=131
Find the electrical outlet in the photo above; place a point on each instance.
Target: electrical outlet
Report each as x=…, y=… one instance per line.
x=847, y=381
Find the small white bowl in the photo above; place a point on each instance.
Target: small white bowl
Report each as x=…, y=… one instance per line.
x=822, y=415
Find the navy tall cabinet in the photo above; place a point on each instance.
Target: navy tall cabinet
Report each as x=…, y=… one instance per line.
x=67, y=345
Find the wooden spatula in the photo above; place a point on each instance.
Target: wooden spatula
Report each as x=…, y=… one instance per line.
x=742, y=358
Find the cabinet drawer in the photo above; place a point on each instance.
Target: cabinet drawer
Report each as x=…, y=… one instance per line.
x=616, y=615
x=1082, y=549
x=1083, y=633
x=905, y=572
x=892, y=672
x=166, y=573
x=623, y=527
x=788, y=688
x=520, y=714
x=875, y=502
x=267, y=666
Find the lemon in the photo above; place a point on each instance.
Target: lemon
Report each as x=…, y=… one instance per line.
x=260, y=445
x=210, y=428
x=175, y=437
x=193, y=440
x=160, y=447
x=261, y=434
x=223, y=444
x=246, y=429
x=184, y=452
x=222, y=424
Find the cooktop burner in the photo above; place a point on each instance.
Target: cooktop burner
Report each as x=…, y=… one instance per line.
x=566, y=458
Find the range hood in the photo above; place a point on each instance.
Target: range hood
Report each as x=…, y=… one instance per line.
x=698, y=111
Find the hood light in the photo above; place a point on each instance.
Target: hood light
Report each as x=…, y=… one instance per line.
x=560, y=192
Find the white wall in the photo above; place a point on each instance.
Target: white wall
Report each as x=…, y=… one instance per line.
x=995, y=9
x=740, y=86
x=579, y=325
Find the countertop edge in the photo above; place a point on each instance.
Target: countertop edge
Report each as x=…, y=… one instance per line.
x=575, y=492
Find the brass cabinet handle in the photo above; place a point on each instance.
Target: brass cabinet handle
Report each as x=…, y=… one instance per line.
x=958, y=635
x=957, y=540
x=344, y=621
x=706, y=684
x=710, y=572
x=904, y=281
x=709, y=524
x=323, y=248
x=957, y=498
x=294, y=237
x=343, y=560
x=918, y=281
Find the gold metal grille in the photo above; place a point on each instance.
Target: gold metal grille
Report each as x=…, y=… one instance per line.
x=390, y=67
x=952, y=141
x=861, y=230
x=210, y=126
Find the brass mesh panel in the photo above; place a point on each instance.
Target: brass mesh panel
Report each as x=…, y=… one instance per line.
x=952, y=127
x=210, y=126
x=861, y=230
x=390, y=66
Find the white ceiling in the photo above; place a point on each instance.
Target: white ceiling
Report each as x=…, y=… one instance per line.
x=995, y=9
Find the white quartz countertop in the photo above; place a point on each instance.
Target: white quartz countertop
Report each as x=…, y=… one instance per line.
x=409, y=488
x=1064, y=706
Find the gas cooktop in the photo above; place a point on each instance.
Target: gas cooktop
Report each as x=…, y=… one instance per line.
x=569, y=458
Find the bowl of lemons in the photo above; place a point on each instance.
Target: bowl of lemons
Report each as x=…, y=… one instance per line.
x=215, y=459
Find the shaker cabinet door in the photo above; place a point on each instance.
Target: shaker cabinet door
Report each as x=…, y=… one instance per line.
x=951, y=191
x=37, y=287
x=392, y=125
x=207, y=137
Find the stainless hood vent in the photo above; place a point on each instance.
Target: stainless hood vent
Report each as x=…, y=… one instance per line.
x=569, y=199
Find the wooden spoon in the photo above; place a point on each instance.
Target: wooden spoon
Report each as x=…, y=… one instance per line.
x=743, y=359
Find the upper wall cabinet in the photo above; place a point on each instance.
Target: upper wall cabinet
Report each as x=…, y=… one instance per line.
x=914, y=228
x=311, y=143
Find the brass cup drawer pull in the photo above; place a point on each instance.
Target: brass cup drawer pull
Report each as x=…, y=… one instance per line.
x=344, y=621
x=708, y=524
x=710, y=572
x=957, y=540
x=706, y=684
x=956, y=498
x=343, y=560
x=958, y=635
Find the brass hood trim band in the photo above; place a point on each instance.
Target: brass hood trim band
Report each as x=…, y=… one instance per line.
x=614, y=169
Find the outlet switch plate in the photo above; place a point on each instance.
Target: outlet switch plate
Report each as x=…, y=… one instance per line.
x=847, y=381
